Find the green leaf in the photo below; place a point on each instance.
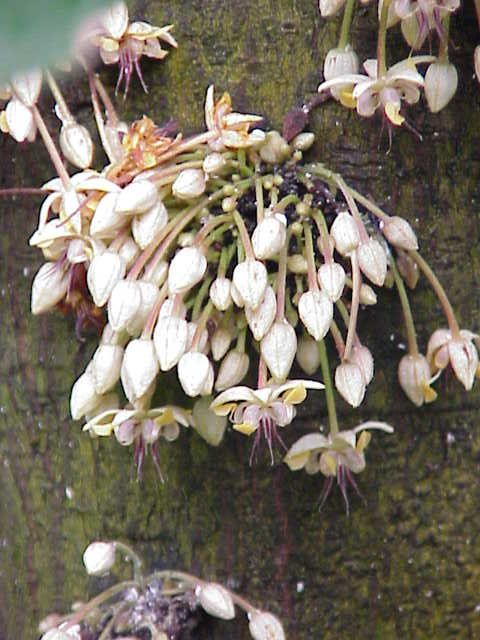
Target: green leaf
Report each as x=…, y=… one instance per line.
x=36, y=33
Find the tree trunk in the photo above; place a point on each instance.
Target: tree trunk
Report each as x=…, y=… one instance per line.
x=404, y=565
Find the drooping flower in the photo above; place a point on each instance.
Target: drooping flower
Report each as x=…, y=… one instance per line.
x=124, y=42
x=337, y=455
x=446, y=348
x=231, y=127
x=401, y=82
x=261, y=411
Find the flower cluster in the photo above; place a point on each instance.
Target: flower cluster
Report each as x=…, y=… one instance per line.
x=389, y=88
x=218, y=263
x=163, y=604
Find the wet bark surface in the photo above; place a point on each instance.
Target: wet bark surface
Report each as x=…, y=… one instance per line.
x=406, y=564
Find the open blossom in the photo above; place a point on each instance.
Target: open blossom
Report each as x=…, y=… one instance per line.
x=142, y=428
x=125, y=42
x=231, y=128
x=419, y=17
x=261, y=411
x=337, y=455
x=444, y=348
x=401, y=82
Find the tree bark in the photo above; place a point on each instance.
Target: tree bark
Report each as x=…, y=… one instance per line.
x=406, y=564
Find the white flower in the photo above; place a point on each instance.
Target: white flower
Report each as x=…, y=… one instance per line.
x=48, y=287
x=345, y=233
x=220, y=293
x=308, y=355
x=107, y=362
x=231, y=128
x=458, y=350
x=233, y=369
x=278, y=349
x=372, y=260
x=340, y=62
x=137, y=198
x=260, y=319
x=441, y=82
x=350, y=383
x=415, y=378
x=195, y=373
x=99, y=558
x=216, y=600
x=106, y=220
x=27, y=86
x=316, y=312
x=269, y=237
x=139, y=368
x=186, y=270
x=331, y=278
x=20, y=121
x=250, y=279
x=171, y=339
x=189, y=184
x=124, y=304
x=105, y=270
x=265, y=626
x=83, y=397
x=76, y=144
x=264, y=409
x=219, y=342
x=146, y=226
x=399, y=233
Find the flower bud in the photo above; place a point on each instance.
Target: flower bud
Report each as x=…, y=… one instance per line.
x=233, y=369
x=83, y=397
x=137, y=197
x=115, y=20
x=268, y=237
x=20, y=122
x=308, y=355
x=278, y=349
x=107, y=361
x=186, y=270
x=265, y=626
x=340, y=62
x=159, y=274
x=27, y=86
x=297, y=264
x=76, y=144
x=303, y=141
x=344, y=232
x=408, y=268
x=368, y=296
x=146, y=226
x=207, y=424
x=414, y=378
x=220, y=293
x=331, y=278
x=250, y=279
x=149, y=295
x=372, y=260
x=172, y=306
x=105, y=270
x=195, y=373
x=201, y=340
x=48, y=287
x=316, y=312
x=214, y=163
x=219, y=343
x=441, y=82
x=99, y=558
x=189, y=184
x=216, y=600
x=129, y=251
x=139, y=368
x=170, y=338
x=123, y=304
x=56, y=634
x=236, y=296
x=260, y=319
x=362, y=357
x=106, y=220
x=350, y=383
x=330, y=7
x=399, y=233
x=275, y=149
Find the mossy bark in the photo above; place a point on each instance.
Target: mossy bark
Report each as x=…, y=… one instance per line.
x=406, y=565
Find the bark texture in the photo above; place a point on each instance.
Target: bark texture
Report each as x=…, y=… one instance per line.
x=406, y=565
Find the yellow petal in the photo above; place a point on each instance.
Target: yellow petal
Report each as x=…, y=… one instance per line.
x=363, y=441
x=102, y=429
x=165, y=418
x=109, y=44
x=296, y=395
x=331, y=463
x=297, y=461
x=3, y=122
x=429, y=394
x=391, y=111
x=224, y=409
x=245, y=427
x=346, y=98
